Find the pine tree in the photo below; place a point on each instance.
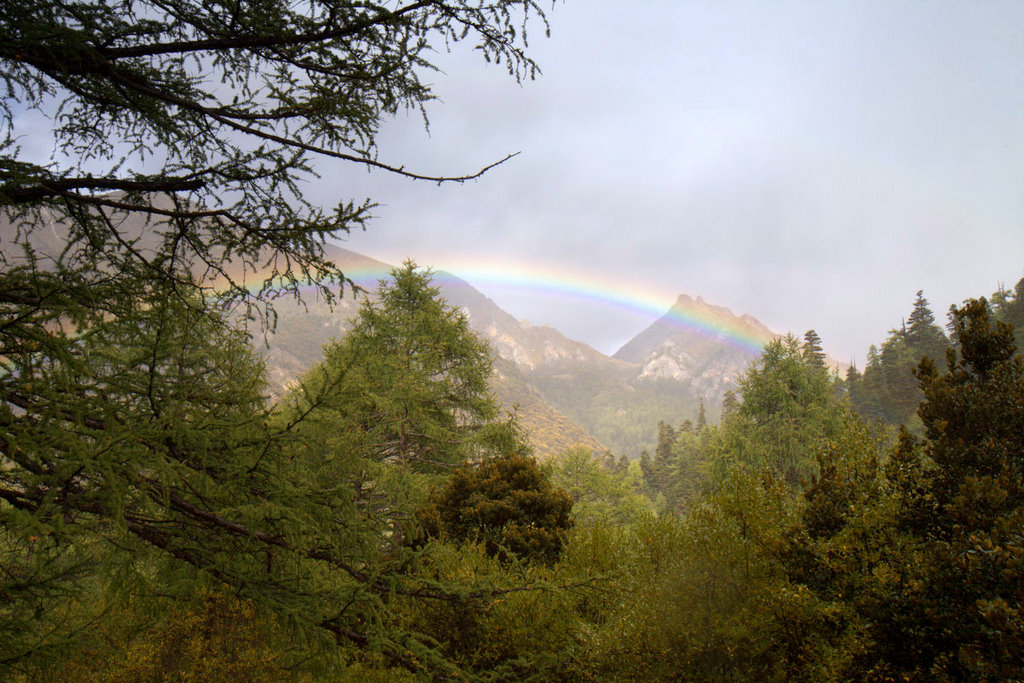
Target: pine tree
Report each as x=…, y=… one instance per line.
x=1009, y=308
x=888, y=390
x=660, y=467
x=925, y=338
x=964, y=506
x=409, y=382
x=788, y=412
x=812, y=350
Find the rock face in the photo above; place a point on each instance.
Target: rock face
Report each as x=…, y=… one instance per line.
x=530, y=348
x=698, y=343
x=699, y=327
x=692, y=354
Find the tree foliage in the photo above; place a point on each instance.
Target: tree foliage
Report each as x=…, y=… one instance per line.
x=136, y=450
x=505, y=503
x=1008, y=306
x=967, y=509
x=203, y=118
x=887, y=390
x=789, y=409
x=606, y=492
x=409, y=382
x=812, y=349
x=147, y=435
x=917, y=556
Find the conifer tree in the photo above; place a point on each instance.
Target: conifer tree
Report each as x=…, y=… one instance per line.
x=888, y=390
x=925, y=338
x=787, y=414
x=134, y=440
x=657, y=470
x=964, y=506
x=1009, y=307
x=812, y=350
x=409, y=382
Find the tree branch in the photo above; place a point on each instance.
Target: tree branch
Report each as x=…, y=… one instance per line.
x=61, y=186
x=260, y=42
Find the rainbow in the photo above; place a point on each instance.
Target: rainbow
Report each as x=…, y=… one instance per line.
x=639, y=300
x=628, y=297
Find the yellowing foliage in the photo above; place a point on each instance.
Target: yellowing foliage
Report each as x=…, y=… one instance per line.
x=219, y=639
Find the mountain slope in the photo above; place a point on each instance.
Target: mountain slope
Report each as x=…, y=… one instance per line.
x=530, y=348
x=550, y=431
x=698, y=343
x=567, y=392
x=693, y=323
x=304, y=327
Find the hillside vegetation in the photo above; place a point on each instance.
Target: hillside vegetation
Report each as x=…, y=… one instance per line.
x=790, y=541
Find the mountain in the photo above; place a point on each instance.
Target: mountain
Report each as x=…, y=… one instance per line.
x=551, y=432
x=530, y=348
x=567, y=393
x=693, y=354
x=304, y=327
x=698, y=343
x=694, y=323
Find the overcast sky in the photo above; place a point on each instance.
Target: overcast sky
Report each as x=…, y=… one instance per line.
x=811, y=164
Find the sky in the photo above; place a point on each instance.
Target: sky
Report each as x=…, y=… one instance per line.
x=810, y=164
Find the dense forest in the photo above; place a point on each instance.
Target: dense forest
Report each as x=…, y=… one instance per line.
x=384, y=522
x=162, y=519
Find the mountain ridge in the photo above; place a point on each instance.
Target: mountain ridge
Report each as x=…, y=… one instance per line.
x=603, y=401
x=687, y=357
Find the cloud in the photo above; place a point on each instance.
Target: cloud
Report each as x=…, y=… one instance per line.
x=812, y=165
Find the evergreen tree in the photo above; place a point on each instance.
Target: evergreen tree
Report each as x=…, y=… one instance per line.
x=925, y=338
x=812, y=350
x=688, y=470
x=729, y=402
x=134, y=442
x=400, y=400
x=961, y=492
x=409, y=382
x=507, y=504
x=203, y=119
x=889, y=391
x=1009, y=308
x=657, y=470
x=853, y=376
x=788, y=412
x=900, y=394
